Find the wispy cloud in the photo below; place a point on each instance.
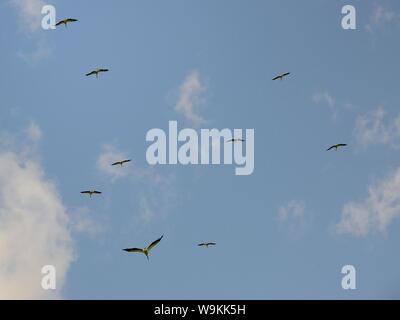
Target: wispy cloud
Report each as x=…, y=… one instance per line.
x=376, y=212
x=34, y=228
x=325, y=98
x=29, y=13
x=41, y=51
x=190, y=98
x=157, y=193
x=109, y=155
x=82, y=222
x=29, y=21
x=372, y=129
x=34, y=133
x=293, y=217
x=381, y=17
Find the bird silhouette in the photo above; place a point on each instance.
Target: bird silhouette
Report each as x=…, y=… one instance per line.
x=280, y=77
x=235, y=140
x=96, y=72
x=91, y=192
x=65, y=22
x=336, y=146
x=146, y=250
x=121, y=162
x=207, y=244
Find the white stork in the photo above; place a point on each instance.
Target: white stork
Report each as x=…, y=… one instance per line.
x=121, y=163
x=96, y=72
x=65, y=22
x=235, y=140
x=280, y=77
x=91, y=192
x=207, y=244
x=336, y=146
x=146, y=250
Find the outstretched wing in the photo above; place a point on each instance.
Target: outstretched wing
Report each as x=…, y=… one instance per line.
x=103, y=70
x=286, y=74
x=231, y=140
x=90, y=73
x=342, y=145
x=60, y=22
x=85, y=192
x=71, y=20
x=154, y=243
x=330, y=148
x=276, y=78
x=96, y=192
x=126, y=161
x=206, y=244
x=116, y=163
x=133, y=250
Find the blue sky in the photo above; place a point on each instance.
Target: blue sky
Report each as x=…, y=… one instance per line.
x=285, y=231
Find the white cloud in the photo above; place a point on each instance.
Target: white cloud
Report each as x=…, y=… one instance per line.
x=190, y=98
x=41, y=51
x=376, y=212
x=146, y=210
x=326, y=98
x=29, y=22
x=81, y=221
x=292, y=216
x=108, y=156
x=371, y=129
x=157, y=196
x=29, y=12
x=33, y=229
x=380, y=17
x=34, y=132
x=157, y=193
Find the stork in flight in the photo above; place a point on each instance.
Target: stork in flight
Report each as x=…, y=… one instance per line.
x=336, y=146
x=146, y=250
x=96, y=72
x=207, y=244
x=91, y=192
x=280, y=77
x=121, y=163
x=235, y=140
x=65, y=22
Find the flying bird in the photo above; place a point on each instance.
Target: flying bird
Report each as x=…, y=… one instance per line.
x=207, y=244
x=91, y=192
x=280, y=77
x=66, y=21
x=235, y=140
x=336, y=146
x=121, y=162
x=96, y=72
x=146, y=250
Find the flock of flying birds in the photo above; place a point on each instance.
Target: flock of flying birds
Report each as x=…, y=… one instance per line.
x=147, y=249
